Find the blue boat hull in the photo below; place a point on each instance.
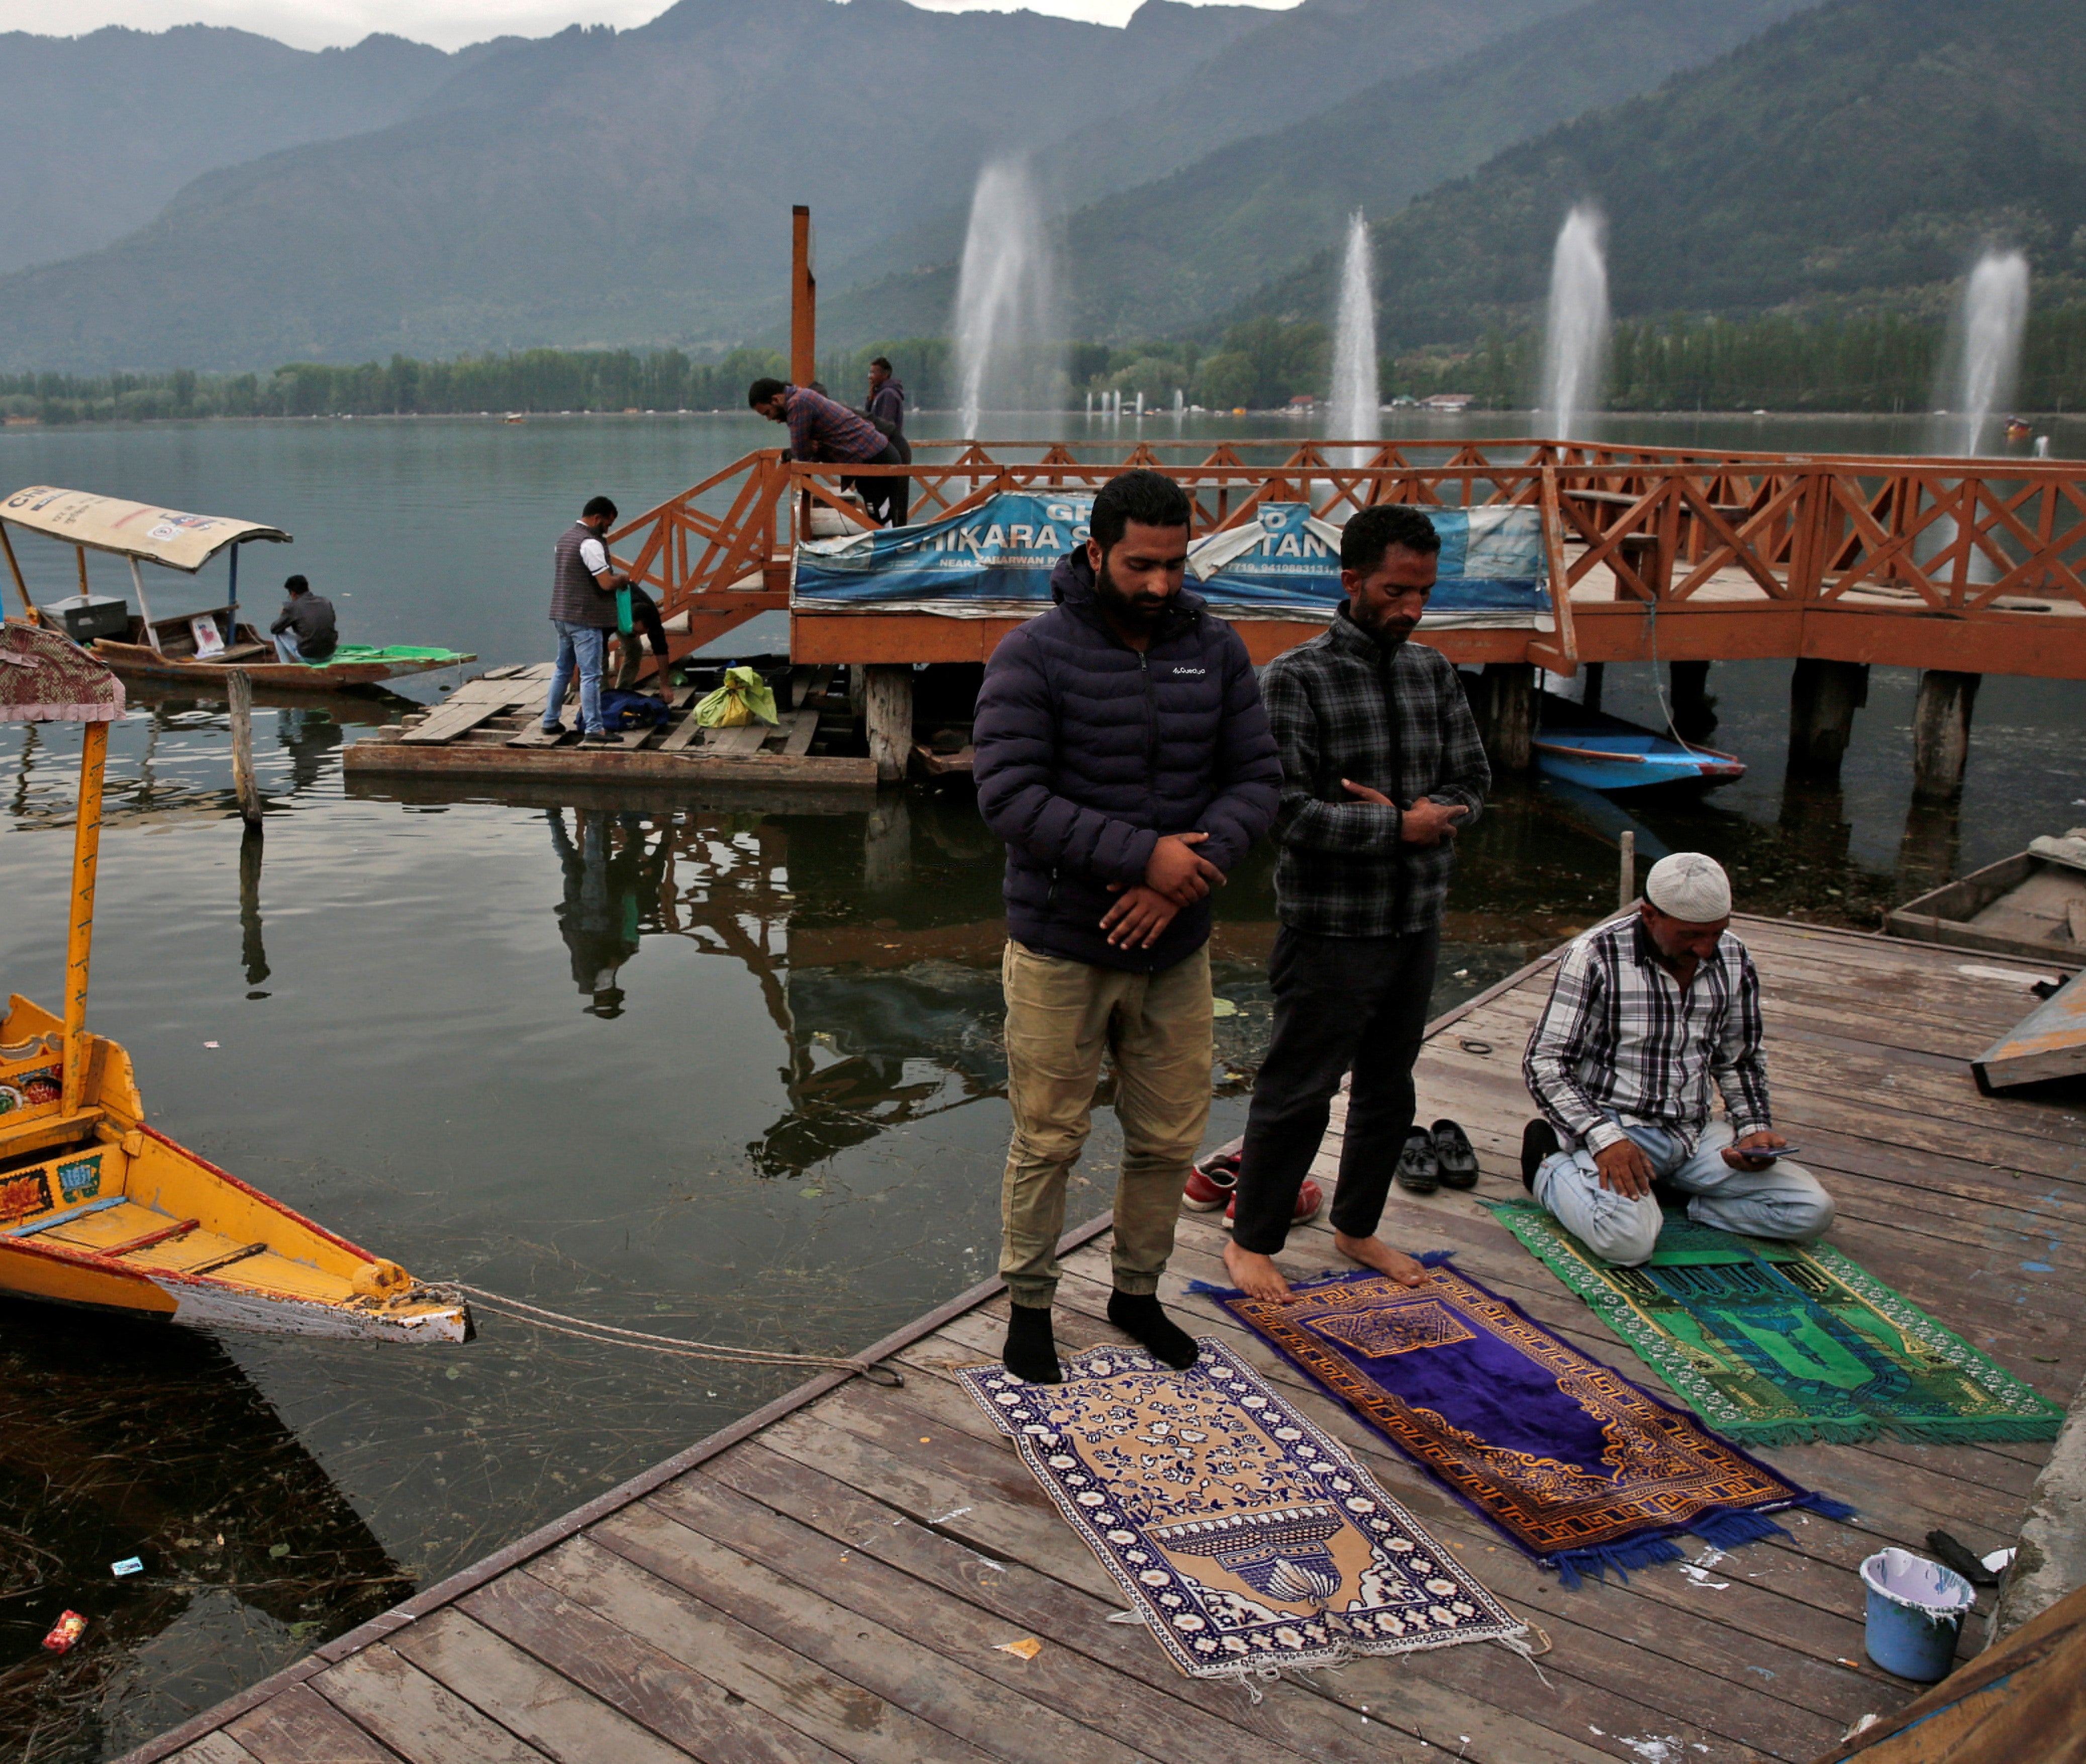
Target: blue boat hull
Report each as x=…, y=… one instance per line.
x=1611, y=760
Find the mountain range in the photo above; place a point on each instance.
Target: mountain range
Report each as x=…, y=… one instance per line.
x=206, y=198
x=100, y=131
x=1856, y=157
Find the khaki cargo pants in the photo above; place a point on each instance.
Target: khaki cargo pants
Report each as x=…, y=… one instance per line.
x=1061, y=1016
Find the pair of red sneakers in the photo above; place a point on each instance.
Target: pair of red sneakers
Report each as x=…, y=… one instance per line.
x=1214, y=1183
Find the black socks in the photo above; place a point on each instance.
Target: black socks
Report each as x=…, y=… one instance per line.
x=1032, y=1352
x=1140, y=1315
x=1539, y=1140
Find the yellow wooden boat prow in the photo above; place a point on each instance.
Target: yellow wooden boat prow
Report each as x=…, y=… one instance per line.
x=96, y=1208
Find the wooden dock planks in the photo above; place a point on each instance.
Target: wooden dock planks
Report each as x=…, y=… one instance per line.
x=830, y=1579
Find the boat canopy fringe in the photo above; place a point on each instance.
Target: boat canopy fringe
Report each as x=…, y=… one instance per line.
x=46, y=677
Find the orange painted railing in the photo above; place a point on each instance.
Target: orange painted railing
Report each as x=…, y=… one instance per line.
x=1995, y=544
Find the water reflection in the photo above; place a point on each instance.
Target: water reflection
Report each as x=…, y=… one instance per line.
x=610, y=871
x=252, y=952
x=119, y=1441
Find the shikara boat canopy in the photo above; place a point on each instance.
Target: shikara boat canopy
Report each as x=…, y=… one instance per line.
x=46, y=677
x=142, y=531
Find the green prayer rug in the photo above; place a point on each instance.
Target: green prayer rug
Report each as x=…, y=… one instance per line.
x=1775, y=1344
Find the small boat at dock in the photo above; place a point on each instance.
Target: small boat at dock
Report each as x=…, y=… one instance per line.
x=2032, y=904
x=196, y=649
x=1598, y=752
x=98, y=1209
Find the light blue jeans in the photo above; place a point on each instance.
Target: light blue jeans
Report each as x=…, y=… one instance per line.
x=1784, y=1200
x=286, y=648
x=583, y=645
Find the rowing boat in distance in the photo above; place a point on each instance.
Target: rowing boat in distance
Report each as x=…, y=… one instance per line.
x=99, y=1209
x=173, y=660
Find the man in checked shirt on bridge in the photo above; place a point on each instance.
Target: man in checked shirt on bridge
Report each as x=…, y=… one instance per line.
x=1644, y=1016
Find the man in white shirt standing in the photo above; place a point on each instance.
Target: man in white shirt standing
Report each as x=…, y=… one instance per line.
x=583, y=609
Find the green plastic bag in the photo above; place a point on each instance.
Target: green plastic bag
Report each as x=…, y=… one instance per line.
x=744, y=698
x=623, y=623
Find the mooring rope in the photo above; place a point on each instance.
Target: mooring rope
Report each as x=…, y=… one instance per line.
x=609, y=1335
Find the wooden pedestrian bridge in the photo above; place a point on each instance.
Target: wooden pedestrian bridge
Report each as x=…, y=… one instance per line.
x=1655, y=555
x=1974, y=565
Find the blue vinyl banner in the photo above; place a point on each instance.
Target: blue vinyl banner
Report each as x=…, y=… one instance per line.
x=1004, y=549
x=1000, y=556
x=1491, y=562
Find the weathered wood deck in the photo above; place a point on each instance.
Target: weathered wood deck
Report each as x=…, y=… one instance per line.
x=831, y=1577
x=491, y=726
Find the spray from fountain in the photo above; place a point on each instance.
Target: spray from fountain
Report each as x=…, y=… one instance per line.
x=1006, y=296
x=1575, y=342
x=1986, y=358
x=1355, y=398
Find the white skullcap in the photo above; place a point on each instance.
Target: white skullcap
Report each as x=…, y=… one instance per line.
x=1690, y=886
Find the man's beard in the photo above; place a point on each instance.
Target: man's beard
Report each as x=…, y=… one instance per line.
x=1385, y=629
x=1139, y=612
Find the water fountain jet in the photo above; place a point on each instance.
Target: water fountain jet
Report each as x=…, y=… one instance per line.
x=1575, y=341
x=1986, y=358
x=1006, y=294
x=1356, y=400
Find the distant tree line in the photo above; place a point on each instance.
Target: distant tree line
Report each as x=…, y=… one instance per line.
x=1882, y=363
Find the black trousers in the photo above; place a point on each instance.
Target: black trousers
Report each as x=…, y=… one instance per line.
x=1341, y=1004
x=888, y=499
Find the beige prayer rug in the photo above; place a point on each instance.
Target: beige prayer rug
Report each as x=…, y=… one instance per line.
x=1247, y=1540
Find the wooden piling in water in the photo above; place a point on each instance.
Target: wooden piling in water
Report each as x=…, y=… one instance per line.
x=1823, y=699
x=1504, y=704
x=1694, y=710
x=1941, y=733
x=239, y=689
x=887, y=717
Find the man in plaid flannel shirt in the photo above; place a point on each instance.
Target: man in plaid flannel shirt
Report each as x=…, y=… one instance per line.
x=1645, y=1014
x=1380, y=766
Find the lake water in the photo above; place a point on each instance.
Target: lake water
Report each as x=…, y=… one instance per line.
x=779, y=1123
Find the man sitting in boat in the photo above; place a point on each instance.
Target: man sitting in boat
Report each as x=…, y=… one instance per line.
x=1644, y=1016
x=304, y=630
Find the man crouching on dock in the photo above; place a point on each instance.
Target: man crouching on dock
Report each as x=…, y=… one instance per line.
x=1123, y=756
x=1644, y=1016
x=1382, y=765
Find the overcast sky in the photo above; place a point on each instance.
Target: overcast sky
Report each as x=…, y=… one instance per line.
x=447, y=23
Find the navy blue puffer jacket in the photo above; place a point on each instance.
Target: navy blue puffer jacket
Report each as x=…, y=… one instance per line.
x=1088, y=752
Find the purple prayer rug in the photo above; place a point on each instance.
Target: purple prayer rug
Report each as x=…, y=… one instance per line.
x=1248, y=1541
x=1564, y=1456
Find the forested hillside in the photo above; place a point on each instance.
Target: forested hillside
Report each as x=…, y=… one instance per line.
x=1855, y=157
x=601, y=187
x=1170, y=252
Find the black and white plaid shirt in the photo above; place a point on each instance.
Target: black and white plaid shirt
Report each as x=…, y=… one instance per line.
x=1343, y=871
x=1619, y=1035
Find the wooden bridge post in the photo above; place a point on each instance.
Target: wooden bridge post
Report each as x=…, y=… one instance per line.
x=803, y=299
x=1941, y=733
x=1694, y=710
x=887, y=716
x=1823, y=699
x=1504, y=706
x=239, y=689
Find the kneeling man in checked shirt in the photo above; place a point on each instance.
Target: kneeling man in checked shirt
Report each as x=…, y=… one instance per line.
x=1644, y=1016
x=1380, y=766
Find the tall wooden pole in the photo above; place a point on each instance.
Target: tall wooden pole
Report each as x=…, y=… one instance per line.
x=79, y=933
x=803, y=301
x=14, y=569
x=239, y=689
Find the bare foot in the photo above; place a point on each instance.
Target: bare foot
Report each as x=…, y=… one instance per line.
x=1257, y=1274
x=1373, y=1252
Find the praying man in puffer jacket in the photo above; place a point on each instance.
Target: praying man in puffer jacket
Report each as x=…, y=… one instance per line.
x=1123, y=756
